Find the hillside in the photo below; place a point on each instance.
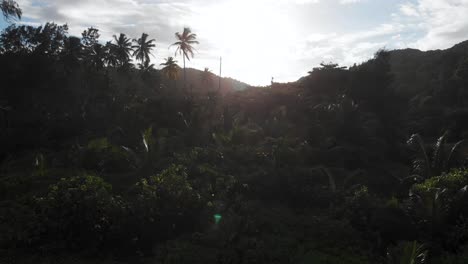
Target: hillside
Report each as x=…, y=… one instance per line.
x=417, y=71
x=196, y=83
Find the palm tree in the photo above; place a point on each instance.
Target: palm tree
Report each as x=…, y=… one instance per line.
x=97, y=56
x=184, y=45
x=10, y=9
x=171, y=69
x=111, y=55
x=122, y=49
x=207, y=76
x=143, y=48
x=442, y=158
x=72, y=53
x=146, y=68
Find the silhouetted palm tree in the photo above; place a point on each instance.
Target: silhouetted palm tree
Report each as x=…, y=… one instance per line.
x=143, y=48
x=122, y=49
x=184, y=46
x=72, y=52
x=10, y=9
x=207, y=76
x=146, y=66
x=145, y=69
x=111, y=55
x=171, y=69
x=97, y=56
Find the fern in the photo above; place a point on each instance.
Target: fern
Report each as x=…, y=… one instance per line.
x=453, y=151
x=438, y=155
x=417, y=142
x=147, y=137
x=440, y=162
x=407, y=253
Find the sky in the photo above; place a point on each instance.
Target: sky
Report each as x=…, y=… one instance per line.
x=261, y=39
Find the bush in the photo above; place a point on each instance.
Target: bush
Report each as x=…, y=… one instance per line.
x=101, y=155
x=163, y=206
x=254, y=233
x=438, y=205
x=452, y=181
x=76, y=212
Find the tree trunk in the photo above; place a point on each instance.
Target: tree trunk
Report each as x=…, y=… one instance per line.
x=185, y=81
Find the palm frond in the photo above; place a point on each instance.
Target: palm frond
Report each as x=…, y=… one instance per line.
x=452, y=154
x=437, y=157
x=331, y=178
x=10, y=10
x=417, y=143
x=407, y=253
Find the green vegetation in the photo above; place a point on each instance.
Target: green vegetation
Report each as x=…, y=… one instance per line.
x=102, y=162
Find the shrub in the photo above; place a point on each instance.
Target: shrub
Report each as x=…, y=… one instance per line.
x=76, y=213
x=452, y=181
x=163, y=205
x=101, y=155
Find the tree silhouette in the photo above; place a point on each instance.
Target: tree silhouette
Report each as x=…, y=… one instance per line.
x=143, y=48
x=97, y=56
x=94, y=52
x=111, y=55
x=146, y=68
x=72, y=53
x=10, y=10
x=170, y=69
x=48, y=39
x=185, y=42
x=206, y=76
x=90, y=37
x=122, y=49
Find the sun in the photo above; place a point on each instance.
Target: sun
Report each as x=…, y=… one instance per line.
x=253, y=37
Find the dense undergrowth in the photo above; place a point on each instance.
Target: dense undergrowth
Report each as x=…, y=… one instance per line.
x=103, y=162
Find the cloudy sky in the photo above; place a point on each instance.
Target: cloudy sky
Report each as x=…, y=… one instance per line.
x=260, y=39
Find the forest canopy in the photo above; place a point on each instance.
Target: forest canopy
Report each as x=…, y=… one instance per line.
x=103, y=157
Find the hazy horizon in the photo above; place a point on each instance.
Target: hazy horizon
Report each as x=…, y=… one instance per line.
x=263, y=39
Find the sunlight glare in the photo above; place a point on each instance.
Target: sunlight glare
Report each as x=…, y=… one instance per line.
x=253, y=37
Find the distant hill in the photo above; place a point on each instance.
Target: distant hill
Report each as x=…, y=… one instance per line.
x=196, y=83
x=414, y=71
x=418, y=71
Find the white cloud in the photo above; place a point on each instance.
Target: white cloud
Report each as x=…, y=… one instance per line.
x=444, y=22
x=409, y=9
x=346, y=2
x=301, y=2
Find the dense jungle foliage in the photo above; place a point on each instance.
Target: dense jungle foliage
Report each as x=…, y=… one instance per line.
x=103, y=162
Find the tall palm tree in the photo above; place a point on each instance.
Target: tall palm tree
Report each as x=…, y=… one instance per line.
x=72, y=53
x=207, y=76
x=143, y=48
x=10, y=9
x=170, y=69
x=97, y=56
x=146, y=68
x=111, y=54
x=122, y=48
x=185, y=42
